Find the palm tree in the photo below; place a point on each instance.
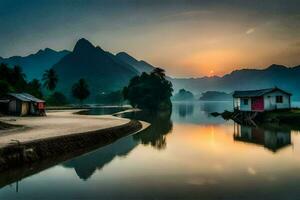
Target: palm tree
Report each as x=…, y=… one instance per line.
x=18, y=78
x=50, y=79
x=80, y=90
x=34, y=87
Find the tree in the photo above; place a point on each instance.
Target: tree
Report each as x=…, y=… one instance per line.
x=80, y=90
x=34, y=87
x=14, y=77
x=4, y=88
x=57, y=99
x=149, y=91
x=50, y=79
x=159, y=72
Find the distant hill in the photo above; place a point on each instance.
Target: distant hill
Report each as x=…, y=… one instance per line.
x=215, y=96
x=140, y=66
x=183, y=95
x=34, y=65
x=275, y=75
x=103, y=71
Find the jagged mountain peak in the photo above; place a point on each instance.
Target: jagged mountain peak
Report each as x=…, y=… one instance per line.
x=83, y=45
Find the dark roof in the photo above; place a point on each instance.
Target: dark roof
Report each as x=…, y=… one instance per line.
x=257, y=93
x=25, y=97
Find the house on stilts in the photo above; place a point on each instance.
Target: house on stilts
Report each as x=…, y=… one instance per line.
x=261, y=100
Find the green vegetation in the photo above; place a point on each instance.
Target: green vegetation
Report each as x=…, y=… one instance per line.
x=285, y=116
x=149, y=91
x=281, y=117
x=183, y=95
x=50, y=79
x=13, y=80
x=35, y=88
x=80, y=90
x=57, y=99
x=4, y=87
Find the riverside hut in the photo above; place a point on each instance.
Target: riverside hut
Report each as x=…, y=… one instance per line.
x=261, y=100
x=22, y=104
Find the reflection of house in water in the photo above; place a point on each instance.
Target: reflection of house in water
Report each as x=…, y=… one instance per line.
x=273, y=140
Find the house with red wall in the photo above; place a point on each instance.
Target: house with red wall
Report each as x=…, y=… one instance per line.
x=261, y=100
x=21, y=104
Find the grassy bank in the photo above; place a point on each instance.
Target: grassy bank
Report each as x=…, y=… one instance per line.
x=290, y=116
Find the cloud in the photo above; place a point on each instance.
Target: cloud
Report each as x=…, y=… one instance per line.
x=250, y=31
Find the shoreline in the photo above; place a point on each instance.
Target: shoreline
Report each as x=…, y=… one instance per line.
x=30, y=146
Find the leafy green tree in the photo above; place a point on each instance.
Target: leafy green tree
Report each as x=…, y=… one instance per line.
x=14, y=77
x=80, y=90
x=57, y=99
x=34, y=87
x=4, y=88
x=50, y=79
x=5, y=72
x=149, y=91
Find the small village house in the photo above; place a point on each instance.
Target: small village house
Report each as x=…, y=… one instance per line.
x=22, y=104
x=261, y=100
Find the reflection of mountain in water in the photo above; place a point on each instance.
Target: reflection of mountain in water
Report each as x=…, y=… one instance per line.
x=161, y=125
x=86, y=165
x=155, y=135
x=272, y=139
x=198, y=112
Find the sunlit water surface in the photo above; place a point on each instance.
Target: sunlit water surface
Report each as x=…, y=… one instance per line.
x=186, y=155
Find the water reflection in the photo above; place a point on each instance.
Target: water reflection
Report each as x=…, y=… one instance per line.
x=199, y=157
x=103, y=110
x=155, y=135
x=271, y=138
x=86, y=165
x=185, y=110
x=198, y=112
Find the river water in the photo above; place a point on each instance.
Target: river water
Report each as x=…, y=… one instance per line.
x=187, y=154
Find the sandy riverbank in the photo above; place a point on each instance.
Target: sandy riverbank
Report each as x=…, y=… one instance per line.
x=56, y=123
x=60, y=132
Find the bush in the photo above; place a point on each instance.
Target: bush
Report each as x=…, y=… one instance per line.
x=57, y=99
x=4, y=88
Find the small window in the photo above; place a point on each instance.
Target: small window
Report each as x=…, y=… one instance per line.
x=245, y=101
x=279, y=99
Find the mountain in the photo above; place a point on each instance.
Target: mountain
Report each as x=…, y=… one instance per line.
x=102, y=70
x=140, y=66
x=275, y=75
x=183, y=95
x=215, y=96
x=34, y=65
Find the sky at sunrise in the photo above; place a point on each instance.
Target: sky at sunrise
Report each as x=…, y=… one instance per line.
x=187, y=38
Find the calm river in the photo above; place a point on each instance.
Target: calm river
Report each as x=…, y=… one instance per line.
x=184, y=155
